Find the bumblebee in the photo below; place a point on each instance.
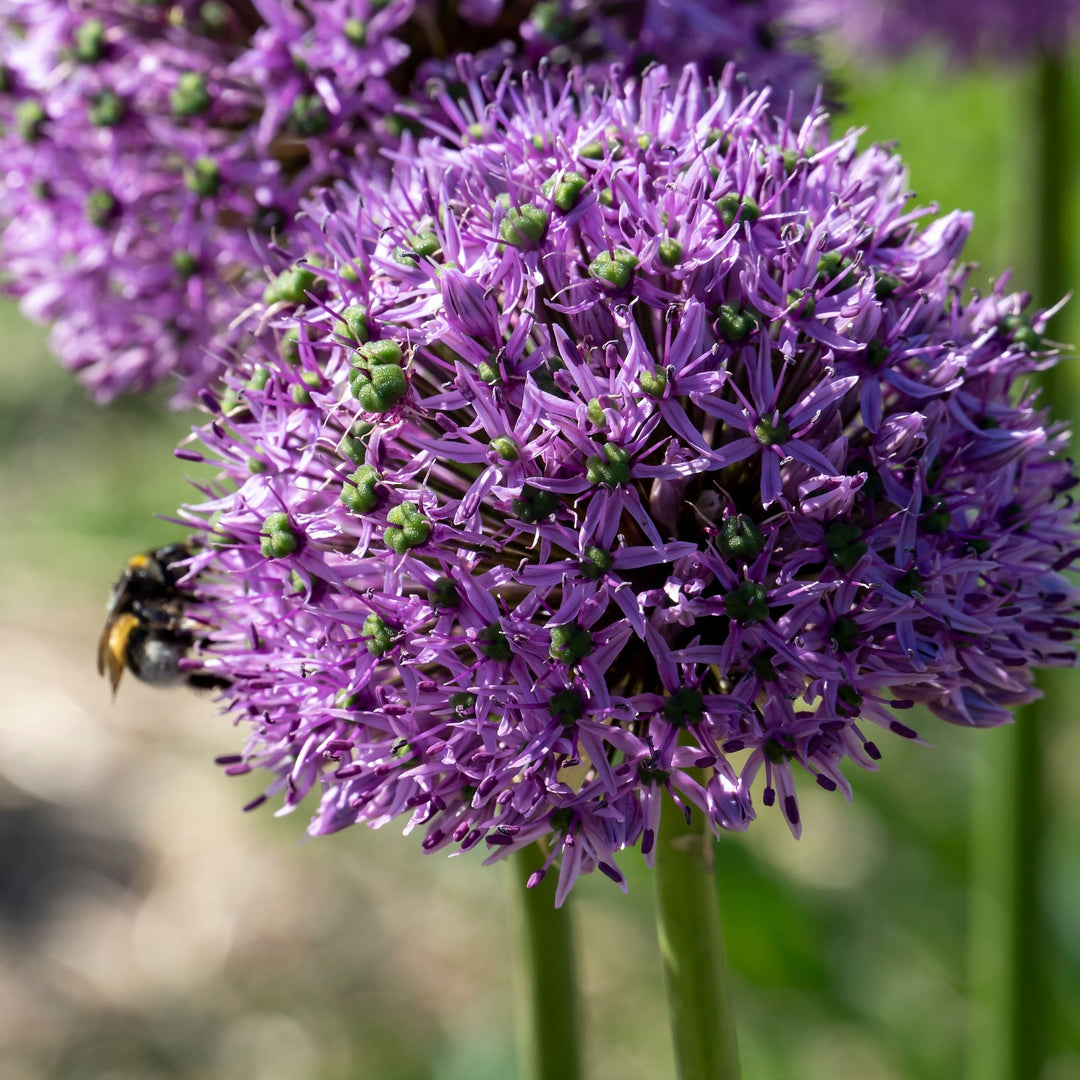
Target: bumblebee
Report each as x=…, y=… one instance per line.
x=145, y=630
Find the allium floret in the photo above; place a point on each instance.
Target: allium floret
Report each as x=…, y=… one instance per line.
x=609, y=545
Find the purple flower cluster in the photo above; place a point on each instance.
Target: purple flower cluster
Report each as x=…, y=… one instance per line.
x=996, y=28
x=153, y=152
x=631, y=445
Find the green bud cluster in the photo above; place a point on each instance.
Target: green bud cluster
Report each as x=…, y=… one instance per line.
x=100, y=207
x=90, y=41
x=836, y=267
x=29, y=117
x=1022, y=332
x=670, y=251
x=444, y=594
x=506, y=448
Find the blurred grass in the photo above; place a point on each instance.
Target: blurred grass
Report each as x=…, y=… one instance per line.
x=848, y=948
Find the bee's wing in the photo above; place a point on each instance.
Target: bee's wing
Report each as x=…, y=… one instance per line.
x=112, y=648
x=103, y=643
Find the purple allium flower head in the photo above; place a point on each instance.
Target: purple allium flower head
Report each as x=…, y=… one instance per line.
x=997, y=28
x=638, y=446
x=153, y=151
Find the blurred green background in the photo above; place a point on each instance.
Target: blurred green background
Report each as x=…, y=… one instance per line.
x=148, y=929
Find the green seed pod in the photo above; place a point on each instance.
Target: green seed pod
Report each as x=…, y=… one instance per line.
x=769, y=433
x=381, y=389
x=734, y=323
x=505, y=447
x=685, y=706
x=491, y=642
x=259, y=378
x=380, y=638
x=566, y=707
x=670, y=252
x=354, y=323
x=90, y=41
x=611, y=467
x=308, y=115
x=358, y=492
x=290, y=286
x=616, y=268
x=524, y=226
x=747, y=603
x=845, y=544
x=375, y=353
x=190, y=96
x=203, y=176
x=596, y=563
x=184, y=263
x=408, y=528
x=653, y=383
x=534, y=505
x=801, y=303
x=740, y=538
x=734, y=207
x=100, y=207
x=106, y=109
x=565, y=189
x=29, y=117
x=444, y=595
x=570, y=643
x=276, y=537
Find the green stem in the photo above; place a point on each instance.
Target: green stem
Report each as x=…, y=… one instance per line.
x=691, y=949
x=1007, y=932
x=1005, y=937
x=549, y=1014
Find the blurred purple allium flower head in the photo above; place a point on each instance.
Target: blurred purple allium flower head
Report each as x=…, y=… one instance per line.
x=630, y=445
x=992, y=28
x=153, y=151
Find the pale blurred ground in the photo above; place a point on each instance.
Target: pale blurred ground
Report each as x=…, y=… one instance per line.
x=149, y=930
